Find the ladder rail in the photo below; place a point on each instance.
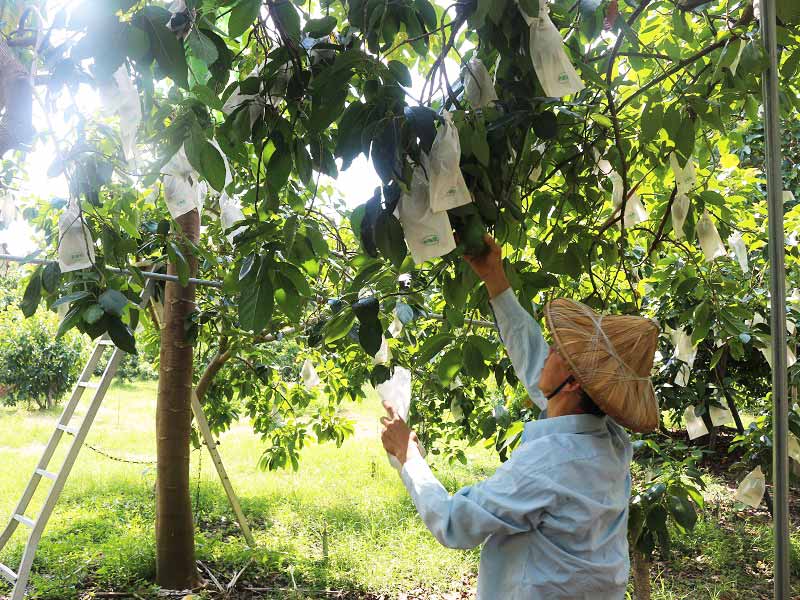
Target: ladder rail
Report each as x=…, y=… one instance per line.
x=59, y=481
x=64, y=472
x=205, y=430
x=52, y=444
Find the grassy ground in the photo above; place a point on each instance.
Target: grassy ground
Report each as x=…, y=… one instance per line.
x=101, y=536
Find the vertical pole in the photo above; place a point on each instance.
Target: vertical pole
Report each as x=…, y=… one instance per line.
x=780, y=391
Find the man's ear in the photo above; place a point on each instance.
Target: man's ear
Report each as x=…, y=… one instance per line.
x=573, y=385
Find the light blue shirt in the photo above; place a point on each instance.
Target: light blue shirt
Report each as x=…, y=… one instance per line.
x=553, y=519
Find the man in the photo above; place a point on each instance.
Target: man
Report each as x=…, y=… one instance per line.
x=553, y=518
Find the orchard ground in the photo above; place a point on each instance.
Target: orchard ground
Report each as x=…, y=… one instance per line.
x=101, y=538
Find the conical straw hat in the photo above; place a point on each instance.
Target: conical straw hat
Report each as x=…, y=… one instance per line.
x=611, y=356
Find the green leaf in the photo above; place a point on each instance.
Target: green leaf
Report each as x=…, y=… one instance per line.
x=167, y=49
x=339, y=326
x=121, y=335
x=684, y=138
x=367, y=309
x=400, y=72
x=288, y=18
x=788, y=11
x=257, y=299
x=242, y=16
x=93, y=313
x=545, y=125
x=202, y=47
x=473, y=361
x=449, y=366
x=479, y=16
x=51, y=276
x=279, y=169
x=33, y=294
x=320, y=28
x=70, y=298
x=682, y=511
x=390, y=239
x=113, y=302
x=204, y=157
x=70, y=320
x=293, y=274
x=432, y=346
x=428, y=13
x=180, y=263
x=302, y=161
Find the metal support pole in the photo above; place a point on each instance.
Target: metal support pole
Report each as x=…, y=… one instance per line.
x=780, y=391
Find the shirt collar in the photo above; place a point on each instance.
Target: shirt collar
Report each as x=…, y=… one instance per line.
x=567, y=424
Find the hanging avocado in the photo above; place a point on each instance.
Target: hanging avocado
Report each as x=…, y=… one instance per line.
x=469, y=229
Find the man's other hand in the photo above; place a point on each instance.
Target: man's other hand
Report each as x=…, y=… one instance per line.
x=489, y=268
x=397, y=438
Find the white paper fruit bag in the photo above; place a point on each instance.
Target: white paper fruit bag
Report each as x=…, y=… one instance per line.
x=710, y=242
x=685, y=177
x=550, y=61
x=397, y=393
x=183, y=190
x=122, y=98
x=736, y=243
x=230, y=213
x=75, y=244
x=794, y=449
x=428, y=234
x=309, y=375
x=719, y=416
x=695, y=425
x=478, y=85
x=752, y=488
x=447, y=186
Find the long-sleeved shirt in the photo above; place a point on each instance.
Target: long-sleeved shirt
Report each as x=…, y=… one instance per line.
x=552, y=519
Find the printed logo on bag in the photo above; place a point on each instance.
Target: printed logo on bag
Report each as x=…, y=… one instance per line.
x=431, y=240
x=563, y=77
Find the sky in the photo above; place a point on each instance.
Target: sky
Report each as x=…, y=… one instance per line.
x=356, y=184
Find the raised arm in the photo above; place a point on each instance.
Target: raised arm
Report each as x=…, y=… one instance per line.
x=520, y=333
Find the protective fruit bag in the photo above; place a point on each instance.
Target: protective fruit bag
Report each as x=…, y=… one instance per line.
x=397, y=393
x=447, y=186
x=478, y=85
x=550, y=61
x=752, y=488
x=685, y=177
x=309, y=375
x=679, y=211
x=120, y=97
x=428, y=234
x=710, y=242
x=695, y=426
x=737, y=244
x=183, y=191
x=230, y=213
x=75, y=244
x=719, y=416
x=635, y=212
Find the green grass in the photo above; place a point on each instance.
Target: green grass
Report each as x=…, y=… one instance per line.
x=101, y=536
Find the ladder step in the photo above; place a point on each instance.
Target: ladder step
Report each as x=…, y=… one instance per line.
x=25, y=520
x=67, y=429
x=88, y=385
x=48, y=474
x=105, y=343
x=8, y=573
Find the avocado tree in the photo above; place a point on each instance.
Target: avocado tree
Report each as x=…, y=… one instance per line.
x=228, y=121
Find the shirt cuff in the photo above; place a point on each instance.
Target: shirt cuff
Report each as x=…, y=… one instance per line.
x=507, y=309
x=415, y=469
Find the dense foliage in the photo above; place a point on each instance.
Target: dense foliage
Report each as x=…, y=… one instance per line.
x=328, y=81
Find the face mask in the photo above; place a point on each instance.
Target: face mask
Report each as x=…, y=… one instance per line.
x=478, y=86
x=550, y=61
x=710, y=242
x=428, y=234
x=751, y=490
x=558, y=389
x=447, y=186
x=75, y=244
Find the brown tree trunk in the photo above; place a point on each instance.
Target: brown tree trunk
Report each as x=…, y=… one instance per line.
x=175, y=562
x=641, y=576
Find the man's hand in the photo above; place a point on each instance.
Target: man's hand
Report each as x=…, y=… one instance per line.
x=397, y=438
x=489, y=268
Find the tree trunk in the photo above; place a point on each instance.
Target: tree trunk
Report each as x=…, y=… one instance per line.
x=641, y=576
x=175, y=562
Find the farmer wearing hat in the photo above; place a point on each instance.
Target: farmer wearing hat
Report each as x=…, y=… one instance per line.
x=553, y=518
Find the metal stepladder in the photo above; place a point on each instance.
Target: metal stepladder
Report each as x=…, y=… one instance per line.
x=19, y=578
